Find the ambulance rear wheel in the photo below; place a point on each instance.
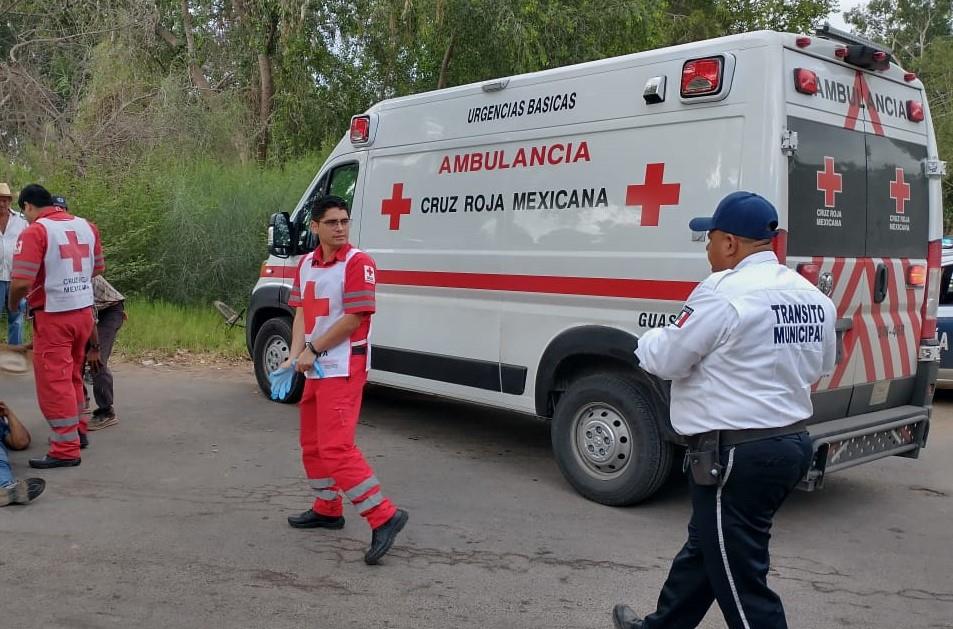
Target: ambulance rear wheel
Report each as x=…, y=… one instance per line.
x=272, y=347
x=607, y=442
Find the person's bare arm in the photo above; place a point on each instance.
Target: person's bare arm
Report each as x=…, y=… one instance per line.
x=18, y=290
x=18, y=437
x=93, y=357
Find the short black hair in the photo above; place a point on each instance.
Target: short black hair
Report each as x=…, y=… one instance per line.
x=34, y=194
x=325, y=203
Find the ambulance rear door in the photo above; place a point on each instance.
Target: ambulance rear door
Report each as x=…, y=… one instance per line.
x=859, y=219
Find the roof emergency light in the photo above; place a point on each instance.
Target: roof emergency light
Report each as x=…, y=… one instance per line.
x=914, y=111
x=805, y=81
x=360, y=129
x=702, y=77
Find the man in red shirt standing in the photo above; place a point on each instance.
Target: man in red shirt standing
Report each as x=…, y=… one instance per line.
x=53, y=266
x=333, y=297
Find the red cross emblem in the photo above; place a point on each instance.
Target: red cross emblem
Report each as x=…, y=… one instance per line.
x=653, y=194
x=900, y=192
x=829, y=182
x=396, y=206
x=314, y=308
x=74, y=250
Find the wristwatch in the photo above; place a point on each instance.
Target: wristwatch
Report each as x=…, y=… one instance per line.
x=311, y=347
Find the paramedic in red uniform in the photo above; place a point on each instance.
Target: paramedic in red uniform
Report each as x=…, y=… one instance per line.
x=333, y=297
x=53, y=267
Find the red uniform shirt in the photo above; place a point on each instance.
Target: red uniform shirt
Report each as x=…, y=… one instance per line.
x=31, y=249
x=360, y=282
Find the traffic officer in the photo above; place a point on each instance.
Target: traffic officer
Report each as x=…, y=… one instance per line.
x=333, y=297
x=741, y=356
x=55, y=260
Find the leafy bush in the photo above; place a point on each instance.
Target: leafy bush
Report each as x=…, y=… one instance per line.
x=181, y=229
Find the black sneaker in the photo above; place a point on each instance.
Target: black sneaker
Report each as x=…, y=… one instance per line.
x=49, y=462
x=624, y=618
x=383, y=537
x=311, y=520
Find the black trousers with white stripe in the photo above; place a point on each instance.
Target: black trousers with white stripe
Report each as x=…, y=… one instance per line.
x=726, y=555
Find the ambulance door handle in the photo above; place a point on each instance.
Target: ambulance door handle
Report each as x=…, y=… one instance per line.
x=880, y=283
x=840, y=328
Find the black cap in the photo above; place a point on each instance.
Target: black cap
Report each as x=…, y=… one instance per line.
x=60, y=202
x=34, y=194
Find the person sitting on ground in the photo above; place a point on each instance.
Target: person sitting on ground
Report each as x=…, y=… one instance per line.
x=15, y=436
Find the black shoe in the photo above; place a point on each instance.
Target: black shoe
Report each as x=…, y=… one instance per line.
x=311, y=520
x=624, y=618
x=83, y=441
x=49, y=462
x=383, y=537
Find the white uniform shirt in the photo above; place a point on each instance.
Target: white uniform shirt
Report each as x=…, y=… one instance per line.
x=8, y=243
x=745, y=350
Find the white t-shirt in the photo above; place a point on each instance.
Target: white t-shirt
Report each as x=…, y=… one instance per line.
x=745, y=350
x=8, y=242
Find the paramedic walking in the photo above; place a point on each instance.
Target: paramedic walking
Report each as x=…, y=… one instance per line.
x=56, y=258
x=742, y=356
x=333, y=297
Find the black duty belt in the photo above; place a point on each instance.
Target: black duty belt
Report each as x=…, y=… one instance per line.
x=737, y=437
x=359, y=350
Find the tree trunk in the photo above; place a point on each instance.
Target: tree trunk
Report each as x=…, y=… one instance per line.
x=445, y=64
x=198, y=78
x=264, y=106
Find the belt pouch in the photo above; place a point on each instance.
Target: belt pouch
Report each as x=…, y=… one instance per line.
x=703, y=459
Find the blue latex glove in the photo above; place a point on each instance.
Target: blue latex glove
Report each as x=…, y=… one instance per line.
x=281, y=380
x=316, y=369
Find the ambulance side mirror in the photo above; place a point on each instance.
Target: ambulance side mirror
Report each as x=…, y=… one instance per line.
x=279, y=235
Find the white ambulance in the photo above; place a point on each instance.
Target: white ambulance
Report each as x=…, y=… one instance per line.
x=529, y=229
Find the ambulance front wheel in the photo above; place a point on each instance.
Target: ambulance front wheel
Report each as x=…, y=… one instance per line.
x=272, y=347
x=607, y=441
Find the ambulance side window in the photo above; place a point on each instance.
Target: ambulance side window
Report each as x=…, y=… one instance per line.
x=306, y=241
x=344, y=182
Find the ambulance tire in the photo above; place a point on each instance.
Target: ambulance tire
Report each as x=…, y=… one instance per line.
x=612, y=410
x=273, y=338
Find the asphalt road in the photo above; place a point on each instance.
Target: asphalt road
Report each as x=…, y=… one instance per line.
x=176, y=518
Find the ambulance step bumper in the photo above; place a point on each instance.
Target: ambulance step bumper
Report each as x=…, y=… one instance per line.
x=851, y=441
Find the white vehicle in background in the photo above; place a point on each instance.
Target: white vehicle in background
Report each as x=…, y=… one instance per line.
x=529, y=229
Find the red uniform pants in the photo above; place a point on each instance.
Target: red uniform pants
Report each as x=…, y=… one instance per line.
x=329, y=412
x=59, y=350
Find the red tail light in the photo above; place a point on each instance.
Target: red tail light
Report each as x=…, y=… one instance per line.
x=932, y=299
x=810, y=271
x=360, y=129
x=916, y=276
x=909, y=76
x=780, y=246
x=805, y=81
x=701, y=77
x=914, y=111
x=840, y=52
x=802, y=42
x=880, y=56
